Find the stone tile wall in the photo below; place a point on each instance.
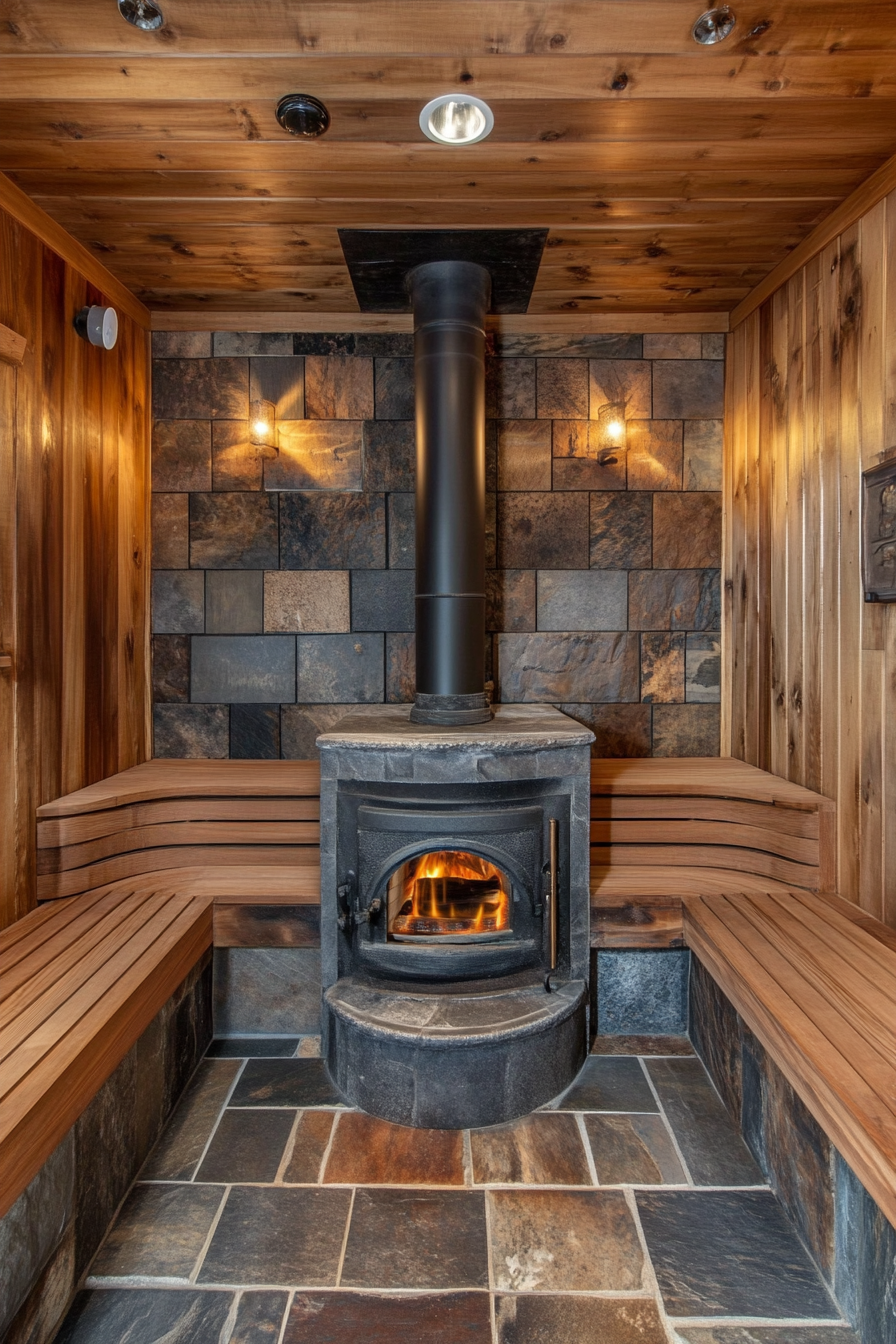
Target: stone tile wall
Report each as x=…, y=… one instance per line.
x=283, y=584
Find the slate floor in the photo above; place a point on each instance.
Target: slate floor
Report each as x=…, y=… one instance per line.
x=629, y=1211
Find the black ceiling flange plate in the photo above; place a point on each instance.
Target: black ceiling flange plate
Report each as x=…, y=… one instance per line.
x=380, y=260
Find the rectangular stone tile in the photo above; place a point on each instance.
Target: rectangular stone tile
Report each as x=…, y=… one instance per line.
x=590, y=668
x=713, y=345
x=416, y=1239
x=247, y=1146
x=686, y=730
x=518, y=345
x=237, y=464
x=170, y=669
x=524, y=455
x=181, y=344
x=279, y=378
x=510, y=388
x=717, y=1032
x=542, y=530
x=765, y=1334
x=654, y=454
x=582, y=599
x=687, y=530
x=341, y=669
x=338, y=388
x=234, y=601
x=170, y=532
x=643, y=991
x=402, y=536
x=181, y=455
x=622, y=382
x=183, y=1141
x=307, y=601
x=401, y=667
x=620, y=731
x=302, y=724
x=491, y=530
x=633, y=1150
x=367, y=1151
x=277, y=343
x=641, y=1045
x=702, y=455
x=178, y=601
x=394, y=389
x=688, y=389
x=674, y=599
x=687, y=345
x=200, y=389
x=703, y=668
x=562, y=389
x=259, y=1318
x=246, y=669
x=621, y=531
x=159, y=1232
x=579, y=473
x=316, y=455
x=267, y=989
x=390, y=455
x=864, y=1257
x=541, y=1149
x=311, y=1140
x=146, y=1316
x=383, y=599
x=285, y=1082
x=540, y=1319
x=253, y=1047
x=233, y=531
x=707, y=1136
x=255, y=732
x=198, y=731
x=563, y=1241
x=729, y=1253
x=347, y=1318
x=510, y=600
x=662, y=668
x=332, y=530
x=609, y=1084
x=278, y=1235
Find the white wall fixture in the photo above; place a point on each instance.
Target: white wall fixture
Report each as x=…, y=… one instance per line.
x=456, y=119
x=98, y=325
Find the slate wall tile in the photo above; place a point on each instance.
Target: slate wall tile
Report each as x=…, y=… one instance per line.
x=592, y=668
x=316, y=455
x=181, y=344
x=170, y=531
x=674, y=599
x=402, y=536
x=268, y=991
x=383, y=599
x=717, y=1033
x=517, y=345
x=234, y=602
x=255, y=732
x=390, y=452
x=686, y=730
x=542, y=530
x=865, y=1256
x=510, y=600
x=510, y=389
x=491, y=530
x=687, y=530
x=688, y=389
x=688, y=345
x=307, y=601
x=233, y=531
x=562, y=389
x=654, y=455
x=714, y=345
x=181, y=455
x=621, y=530
x=702, y=455
x=191, y=731
x=643, y=993
x=576, y=447
x=278, y=343
x=394, y=389
x=703, y=668
x=280, y=380
x=178, y=601
x=524, y=455
x=621, y=381
x=401, y=671
x=620, y=731
x=663, y=668
x=237, y=464
x=338, y=388
x=584, y=599
x=245, y=669
x=302, y=724
x=332, y=530
x=337, y=669
x=170, y=668
x=200, y=389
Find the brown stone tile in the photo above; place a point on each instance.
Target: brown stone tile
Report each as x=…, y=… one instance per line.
x=569, y=668
x=259, y=1318
x=491, y=531
x=703, y=668
x=301, y=725
x=368, y=1151
x=348, y=1318
x=702, y=455
x=621, y=381
x=278, y=1235
x=181, y=455
x=170, y=532
x=234, y=601
x=416, y=1239
x=394, y=380
x=237, y=464
x=541, y=1319
x=510, y=388
x=181, y=344
x=633, y=1150
x=575, y=449
x=178, y=1151
x=170, y=668
x=713, y=345
x=247, y=1146
x=338, y=529
x=654, y=455
x=524, y=455
x=233, y=531
x=686, y=730
x=687, y=530
x=510, y=600
x=306, y=601
x=688, y=389
x=542, y=1149
x=159, y=1232
x=563, y=1241
x=198, y=732
x=674, y=599
x=620, y=731
x=280, y=379
x=687, y=345
x=316, y=455
x=662, y=668
x=562, y=389
x=401, y=667
x=311, y=1139
x=621, y=531
x=542, y=530
x=641, y=1045
x=389, y=455
x=200, y=389
x=338, y=388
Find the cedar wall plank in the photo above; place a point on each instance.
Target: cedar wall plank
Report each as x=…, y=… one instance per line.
x=821, y=695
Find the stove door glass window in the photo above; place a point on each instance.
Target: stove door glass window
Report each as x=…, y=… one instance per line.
x=449, y=895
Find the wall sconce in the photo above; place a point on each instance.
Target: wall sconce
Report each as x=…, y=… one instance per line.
x=263, y=424
x=98, y=325
x=611, y=432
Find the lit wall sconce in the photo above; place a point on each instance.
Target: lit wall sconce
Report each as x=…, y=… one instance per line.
x=263, y=424
x=611, y=432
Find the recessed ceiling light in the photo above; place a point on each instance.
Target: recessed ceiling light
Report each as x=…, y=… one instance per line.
x=142, y=14
x=713, y=26
x=302, y=115
x=456, y=119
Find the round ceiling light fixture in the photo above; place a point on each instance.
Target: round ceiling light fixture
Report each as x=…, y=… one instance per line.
x=302, y=115
x=713, y=26
x=456, y=119
x=143, y=14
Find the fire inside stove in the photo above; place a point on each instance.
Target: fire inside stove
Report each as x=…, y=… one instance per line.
x=449, y=895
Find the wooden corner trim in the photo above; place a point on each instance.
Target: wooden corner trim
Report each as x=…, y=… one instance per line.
x=12, y=346
x=536, y=324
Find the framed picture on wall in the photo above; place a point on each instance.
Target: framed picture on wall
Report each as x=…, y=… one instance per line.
x=879, y=532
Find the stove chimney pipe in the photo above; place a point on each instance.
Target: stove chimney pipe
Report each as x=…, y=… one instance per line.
x=450, y=300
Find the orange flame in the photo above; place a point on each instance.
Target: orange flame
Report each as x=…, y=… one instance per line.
x=451, y=892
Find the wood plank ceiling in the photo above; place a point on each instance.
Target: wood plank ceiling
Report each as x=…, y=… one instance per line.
x=672, y=176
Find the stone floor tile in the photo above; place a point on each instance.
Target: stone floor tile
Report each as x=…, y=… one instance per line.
x=259, y=1318
x=633, y=1150
x=416, y=1239
x=182, y=1144
x=253, y=1047
x=707, y=1136
x=541, y=1319
x=766, y=1334
x=563, y=1241
x=146, y=1316
x=368, y=1151
x=641, y=1045
x=285, y=1082
x=310, y=1143
x=247, y=1146
x=348, y=1318
x=159, y=1232
x=730, y=1253
x=542, y=1149
x=278, y=1236
x=609, y=1084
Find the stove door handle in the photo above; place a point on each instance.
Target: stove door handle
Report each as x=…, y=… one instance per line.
x=553, y=895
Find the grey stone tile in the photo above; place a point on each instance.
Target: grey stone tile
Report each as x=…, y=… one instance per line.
x=285, y=1083
x=338, y=388
x=620, y=731
x=524, y=455
x=255, y=732
x=390, y=452
x=234, y=600
x=765, y=1334
x=146, y=1316
x=662, y=668
x=582, y=599
x=621, y=531
x=247, y=1147
x=703, y=668
x=181, y=344
x=624, y=382
x=688, y=345
x=416, y=1239
x=702, y=455
x=717, y=1033
x=233, y=531
x=178, y=1151
x=181, y=455
x=170, y=669
x=341, y=669
x=252, y=343
x=608, y=1083
x=237, y=464
x=170, y=532
x=178, y=601
x=253, y=1047
x=542, y=530
x=369, y=344
x=401, y=670
x=538, y=1318
x=383, y=599
x=280, y=380
x=563, y=1241
x=714, y=345
x=307, y=601
x=562, y=389
x=198, y=731
x=585, y=346
x=402, y=540
x=159, y=1232
x=865, y=1255
x=316, y=455
x=674, y=599
x=31, y=1230
x=654, y=456
x=332, y=530
x=259, y=1318
x=510, y=596
x=394, y=389
x=688, y=389
x=246, y=669
x=641, y=1045
x=686, y=730
x=707, y=1136
x=633, y=1150
x=729, y=1253
x=378, y=1318
x=570, y=668
x=687, y=530
x=643, y=993
x=278, y=1236
x=491, y=530
x=301, y=725
x=510, y=389
x=200, y=389
x=267, y=989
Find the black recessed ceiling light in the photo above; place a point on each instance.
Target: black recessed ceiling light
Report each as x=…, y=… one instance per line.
x=300, y=114
x=713, y=26
x=142, y=14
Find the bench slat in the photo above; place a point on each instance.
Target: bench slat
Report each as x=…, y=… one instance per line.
x=85, y=826
x=700, y=776
x=669, y=832
x=131, y=865
x=190, y=778
x=785, y=820
x=190, y=832
x=716, y=856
